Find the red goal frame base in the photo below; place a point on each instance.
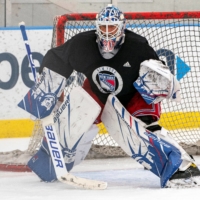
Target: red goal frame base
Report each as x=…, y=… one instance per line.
x=14, y=168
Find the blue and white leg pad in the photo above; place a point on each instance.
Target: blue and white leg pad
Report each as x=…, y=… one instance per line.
x=75, y=129
x=43, y=96
x=159, y=156
x=42, y=164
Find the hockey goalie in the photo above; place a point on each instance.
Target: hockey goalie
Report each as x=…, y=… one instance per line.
x=124, y=86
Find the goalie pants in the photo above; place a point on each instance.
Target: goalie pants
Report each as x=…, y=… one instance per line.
x=137, y=106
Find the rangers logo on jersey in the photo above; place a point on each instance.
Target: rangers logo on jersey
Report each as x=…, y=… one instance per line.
x=108, y=80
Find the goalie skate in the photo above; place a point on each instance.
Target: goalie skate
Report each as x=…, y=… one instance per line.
x=185, y=179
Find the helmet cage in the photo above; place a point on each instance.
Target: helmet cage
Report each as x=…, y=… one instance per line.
x=108, y=34
x=110, y=25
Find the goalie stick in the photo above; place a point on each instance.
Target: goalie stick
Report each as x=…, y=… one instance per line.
x=28, y=49
x=58, y=160
x=53, y=141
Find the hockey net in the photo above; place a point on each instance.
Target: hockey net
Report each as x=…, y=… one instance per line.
x=175, y=36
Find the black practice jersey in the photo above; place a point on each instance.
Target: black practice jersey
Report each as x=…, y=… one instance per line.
x=115, y=75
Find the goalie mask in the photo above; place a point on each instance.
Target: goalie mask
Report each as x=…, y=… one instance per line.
x=110, y=25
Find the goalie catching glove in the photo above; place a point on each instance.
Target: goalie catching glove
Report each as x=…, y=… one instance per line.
x=155, y=82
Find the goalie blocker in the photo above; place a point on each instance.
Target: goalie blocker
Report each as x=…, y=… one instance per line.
x=41, y=99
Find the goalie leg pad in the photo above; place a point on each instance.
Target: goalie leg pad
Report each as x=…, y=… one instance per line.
x=75, y=150
x=74, y=126
x=43, y=96
x=42, y=165
x=163, y=134
x=159, y=156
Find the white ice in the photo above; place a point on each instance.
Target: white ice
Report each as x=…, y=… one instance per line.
x=126, y=180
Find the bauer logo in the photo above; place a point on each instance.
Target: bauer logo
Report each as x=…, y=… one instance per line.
x=42, y=77
x=54, y=147
x=61, y=109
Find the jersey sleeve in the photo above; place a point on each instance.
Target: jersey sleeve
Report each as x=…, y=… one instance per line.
x=57, y=60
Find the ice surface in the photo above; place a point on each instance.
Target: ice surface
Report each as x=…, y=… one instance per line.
x=126, y=180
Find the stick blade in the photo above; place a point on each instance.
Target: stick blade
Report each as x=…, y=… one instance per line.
x=82, y=182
